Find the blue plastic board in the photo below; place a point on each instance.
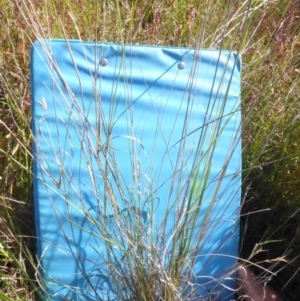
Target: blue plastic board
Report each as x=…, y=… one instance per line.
x=137, y=161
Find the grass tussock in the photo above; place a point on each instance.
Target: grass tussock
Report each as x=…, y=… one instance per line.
x=266, y=33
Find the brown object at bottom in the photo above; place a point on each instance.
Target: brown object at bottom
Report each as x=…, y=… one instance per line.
x=252, y=290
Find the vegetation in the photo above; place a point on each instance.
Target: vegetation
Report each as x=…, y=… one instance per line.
x=265, y=32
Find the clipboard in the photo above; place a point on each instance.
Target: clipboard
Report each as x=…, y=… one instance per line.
x=129, y=142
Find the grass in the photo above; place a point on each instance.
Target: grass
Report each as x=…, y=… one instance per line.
x=267, y=35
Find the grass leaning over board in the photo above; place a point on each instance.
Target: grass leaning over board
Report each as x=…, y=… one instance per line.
x=267, y=35
x=142, y=256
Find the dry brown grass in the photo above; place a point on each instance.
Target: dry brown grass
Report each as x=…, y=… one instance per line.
x=270, y=107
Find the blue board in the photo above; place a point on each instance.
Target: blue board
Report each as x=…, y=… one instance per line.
x=137, y=159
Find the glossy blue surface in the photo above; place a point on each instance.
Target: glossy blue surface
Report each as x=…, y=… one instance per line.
x=149, y=121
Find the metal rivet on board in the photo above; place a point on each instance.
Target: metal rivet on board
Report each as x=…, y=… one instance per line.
x=103, y=62
x=181, y=65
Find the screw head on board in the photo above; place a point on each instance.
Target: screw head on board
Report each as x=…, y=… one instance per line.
x=103, y=62
x=181, y=65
